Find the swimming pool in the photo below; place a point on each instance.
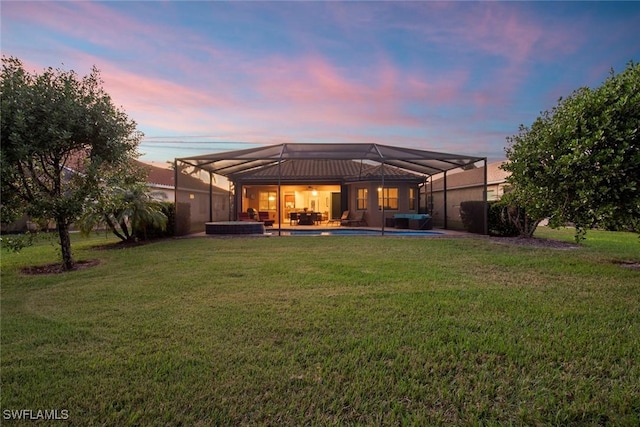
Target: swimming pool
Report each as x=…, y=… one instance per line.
x=363, y=232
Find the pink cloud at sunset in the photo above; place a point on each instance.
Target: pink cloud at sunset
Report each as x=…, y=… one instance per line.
x=458, y=76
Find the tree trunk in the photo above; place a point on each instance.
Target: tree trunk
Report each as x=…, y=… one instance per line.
x=65, y=243
x=114, y=228
x=125, y=230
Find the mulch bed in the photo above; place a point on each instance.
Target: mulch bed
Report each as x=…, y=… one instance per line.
x=534, y=242
x=629, y=264
x=57, y=267
x=553, y=244
x=128, y=244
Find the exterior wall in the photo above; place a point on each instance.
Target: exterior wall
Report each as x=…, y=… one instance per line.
x=198, y=211
x=454, y=198
x=462, y=186
x=301, y=198
x=21, y=225
x=161, y=194
x=373, y=214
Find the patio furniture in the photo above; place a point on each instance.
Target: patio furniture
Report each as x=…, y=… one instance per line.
x=263, y=217
x=293, y=218
x=306, y=218
x=358, y=219
x=345, y=216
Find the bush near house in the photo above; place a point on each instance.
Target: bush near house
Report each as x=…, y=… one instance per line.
x=472, y=215
x=505, y=220
x=153, y=231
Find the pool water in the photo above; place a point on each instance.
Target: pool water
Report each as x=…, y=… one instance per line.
x=352, y=232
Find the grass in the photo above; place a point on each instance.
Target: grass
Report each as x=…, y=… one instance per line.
x=327, y=330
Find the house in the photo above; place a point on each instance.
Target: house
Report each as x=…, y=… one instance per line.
x=328, y=187
x=378, y=181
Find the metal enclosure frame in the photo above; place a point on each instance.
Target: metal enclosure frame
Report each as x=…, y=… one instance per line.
x=427, y=163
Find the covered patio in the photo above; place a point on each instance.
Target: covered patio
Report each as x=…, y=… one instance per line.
x=373, y=181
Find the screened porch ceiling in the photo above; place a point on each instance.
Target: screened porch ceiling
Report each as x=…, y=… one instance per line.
x=425, y=162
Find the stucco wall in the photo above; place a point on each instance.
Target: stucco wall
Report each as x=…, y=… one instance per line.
x=454, y=199
x=373, y=214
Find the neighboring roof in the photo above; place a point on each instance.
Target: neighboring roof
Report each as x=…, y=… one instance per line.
x=495, y=173
x=157, y=175
x=473, y=177
x=424, y=162
x=324, y=170
x=164, y=177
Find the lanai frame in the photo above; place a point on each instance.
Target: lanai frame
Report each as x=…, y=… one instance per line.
x=427, y=163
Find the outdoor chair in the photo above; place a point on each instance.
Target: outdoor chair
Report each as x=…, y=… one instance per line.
x=345, y=216
x=358, y=219
x=264, y=218
x=293, y=218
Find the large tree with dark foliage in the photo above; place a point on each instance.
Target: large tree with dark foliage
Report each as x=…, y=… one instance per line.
x=580, y=162
x=58, y=132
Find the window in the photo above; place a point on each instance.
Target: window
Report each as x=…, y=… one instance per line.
x=362, y=198
x=413, y=202
x=267, y=201
x=388, y=196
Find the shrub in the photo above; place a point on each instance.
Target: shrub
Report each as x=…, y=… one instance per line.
x=152, y=231
x=500, y=223
x=505, y=220
x=17, y=242
x=472, y=214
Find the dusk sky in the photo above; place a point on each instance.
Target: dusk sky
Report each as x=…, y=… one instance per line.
x=445, y=76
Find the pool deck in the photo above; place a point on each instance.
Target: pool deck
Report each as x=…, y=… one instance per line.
x=286, y=228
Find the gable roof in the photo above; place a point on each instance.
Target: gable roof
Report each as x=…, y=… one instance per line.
x=231, y=163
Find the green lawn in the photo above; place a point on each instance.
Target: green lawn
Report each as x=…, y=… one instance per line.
x=327, y=330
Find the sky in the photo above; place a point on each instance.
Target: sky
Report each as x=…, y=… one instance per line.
x=201, y=76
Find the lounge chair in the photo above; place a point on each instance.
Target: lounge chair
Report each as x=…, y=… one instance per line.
x=357, y=219
x=264, y=218
x=344, y=217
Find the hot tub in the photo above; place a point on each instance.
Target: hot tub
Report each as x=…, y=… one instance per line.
x=234, y=227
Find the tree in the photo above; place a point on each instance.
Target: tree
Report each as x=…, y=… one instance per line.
x=580, y=162
x=125, y=205
x=58, y=132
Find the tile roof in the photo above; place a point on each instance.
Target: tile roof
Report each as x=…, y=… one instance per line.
x=323, y=169
x=166, y=177
x=473, y=177
x=158, y=175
